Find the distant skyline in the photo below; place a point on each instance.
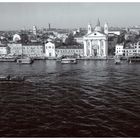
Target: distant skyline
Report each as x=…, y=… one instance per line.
x=15, y=16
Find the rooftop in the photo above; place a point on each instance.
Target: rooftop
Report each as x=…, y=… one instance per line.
x=32, y=44
x=71, y=47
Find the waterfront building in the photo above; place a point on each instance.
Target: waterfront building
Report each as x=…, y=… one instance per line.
x=33, y=50
x=73, y=50
x=30, y=49
x=50, y=49
x=15, y=48
x=119, y=49
x=130, y=49
x=96, y=41
x=4, y=49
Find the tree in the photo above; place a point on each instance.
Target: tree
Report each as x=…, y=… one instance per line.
x=24, y=38
x=70, y=40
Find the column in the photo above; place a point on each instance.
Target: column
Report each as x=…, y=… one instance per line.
x=99, y=49
x=90, y=47
x=85, y=48
x=106, y=48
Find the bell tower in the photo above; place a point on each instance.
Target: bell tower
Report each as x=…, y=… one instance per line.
x=89, y=28
x=106, y=28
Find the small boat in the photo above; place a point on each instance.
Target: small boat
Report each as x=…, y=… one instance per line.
x=117, y=60
x=7, y=79
x=69, y=60
x=7, y=59
x=27, y=60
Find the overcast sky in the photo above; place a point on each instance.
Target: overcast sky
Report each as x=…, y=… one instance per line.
x=67, y=15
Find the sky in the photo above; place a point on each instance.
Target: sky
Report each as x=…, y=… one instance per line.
x=67, y=15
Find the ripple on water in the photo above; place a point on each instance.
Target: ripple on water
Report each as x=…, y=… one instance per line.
x=90, y=99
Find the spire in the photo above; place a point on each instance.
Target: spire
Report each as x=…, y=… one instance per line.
x=98, y=28
x=98, y=22
x=89, y=28
x=106, y=28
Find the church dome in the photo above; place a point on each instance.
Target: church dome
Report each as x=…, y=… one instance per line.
x=98, y=28
x=16, y=38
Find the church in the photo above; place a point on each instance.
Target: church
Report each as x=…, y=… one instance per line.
x=96, y=41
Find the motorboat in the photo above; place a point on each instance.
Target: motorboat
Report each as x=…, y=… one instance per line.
x=7, y=59
x=9, y=78
x=27, y=60
x=68, y=60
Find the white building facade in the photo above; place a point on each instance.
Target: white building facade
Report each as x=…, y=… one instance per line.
x=4, y=49
x=119, y=49
x=31, y=50
x=15, y=48
x=50, y=49
x=62, y=51
x=96, y=42
x=129, y=50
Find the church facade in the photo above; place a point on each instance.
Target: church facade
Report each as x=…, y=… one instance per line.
x=96, y=41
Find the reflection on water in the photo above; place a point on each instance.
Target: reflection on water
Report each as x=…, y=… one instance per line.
x=88, y=99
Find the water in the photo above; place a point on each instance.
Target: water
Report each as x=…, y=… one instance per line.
x=88, y=99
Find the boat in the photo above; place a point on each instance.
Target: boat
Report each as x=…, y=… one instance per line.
x=68, y=60
x=117, y=60
x=7, y=59
x=26, y=60
x=8, y=78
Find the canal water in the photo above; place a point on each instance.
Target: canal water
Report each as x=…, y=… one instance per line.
x=88, y=99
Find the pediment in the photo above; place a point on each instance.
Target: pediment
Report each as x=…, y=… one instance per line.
x=95, y=34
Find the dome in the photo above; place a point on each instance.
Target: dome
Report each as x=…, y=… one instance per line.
x=16, y=38
x=98, y=29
